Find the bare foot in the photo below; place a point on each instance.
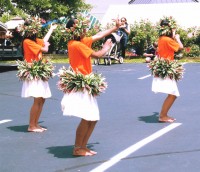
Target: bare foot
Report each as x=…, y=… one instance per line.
x=42, y=128
x=36, y=130
x=91, y=151
x=167, y=119
x=81, y=152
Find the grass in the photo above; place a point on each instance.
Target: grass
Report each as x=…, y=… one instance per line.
x=64, y=59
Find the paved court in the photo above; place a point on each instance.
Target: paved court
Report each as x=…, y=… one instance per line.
x=128, y=137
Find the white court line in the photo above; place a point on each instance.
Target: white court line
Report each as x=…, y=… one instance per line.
x=134, y=148
x=146, y=76
x=5, y=120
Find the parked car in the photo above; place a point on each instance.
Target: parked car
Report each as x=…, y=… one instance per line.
x=61, y=51
x=10, y=52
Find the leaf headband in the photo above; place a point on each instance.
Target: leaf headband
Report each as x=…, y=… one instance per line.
x=82, y=24
x=30, y=27
x=166, y=26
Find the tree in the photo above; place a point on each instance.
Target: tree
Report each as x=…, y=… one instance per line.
x=6, y=6
x=143, y=34
x=9, y=9
x=51, y=9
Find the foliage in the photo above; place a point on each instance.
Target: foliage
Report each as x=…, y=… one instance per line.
x=193, y=51
x=82, y=24
x=58, y=39
x=168, y=23
x=51, y=9
x=61, y=35
x=71, y=81
x=42, y=69
x=34, y=26
x=92, y=31
x=197, y=36
x=9, y=10
x=187, y=36
x=164, y=68
x=6, y=6
x=143, y=34
x=5, y=17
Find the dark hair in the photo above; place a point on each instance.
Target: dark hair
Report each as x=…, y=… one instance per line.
x=27, y=36
x=124, y=19
x=70, y=23
x=31, y=37
x=27, y=22
x=164, y=23
x=155, y=44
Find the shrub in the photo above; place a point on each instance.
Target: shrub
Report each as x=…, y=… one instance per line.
x=193, y=51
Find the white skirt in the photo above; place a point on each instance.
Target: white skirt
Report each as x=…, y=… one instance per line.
x=80, y=104
x=167, y=86
x=36, y=88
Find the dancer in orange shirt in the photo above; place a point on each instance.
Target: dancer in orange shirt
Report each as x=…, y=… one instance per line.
x=81, y=104
x=168, y=43
x=32, y=48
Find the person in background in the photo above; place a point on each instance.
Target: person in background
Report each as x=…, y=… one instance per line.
x=32, y=48
x=8, y=37
x=168, y=43
x=85, y=106
x=124, y=29
x=151, y=52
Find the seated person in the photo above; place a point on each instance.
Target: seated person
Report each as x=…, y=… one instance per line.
x=151, y=52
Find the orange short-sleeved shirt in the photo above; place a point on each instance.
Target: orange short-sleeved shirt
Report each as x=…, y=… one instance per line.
x=32, y=49
x=166, y=47
x=80, y=55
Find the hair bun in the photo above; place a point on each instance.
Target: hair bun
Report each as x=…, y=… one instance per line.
x=164, y=23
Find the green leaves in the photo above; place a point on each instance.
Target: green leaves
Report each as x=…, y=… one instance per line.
x=46, y=9
x=71, y=81
x=164, y=68
x=42, y=69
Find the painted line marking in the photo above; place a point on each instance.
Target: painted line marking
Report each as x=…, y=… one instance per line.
x=5, y=120
x=134, y=148
x=146, y=76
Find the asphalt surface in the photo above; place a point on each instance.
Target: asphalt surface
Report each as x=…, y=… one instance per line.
x=129, y=111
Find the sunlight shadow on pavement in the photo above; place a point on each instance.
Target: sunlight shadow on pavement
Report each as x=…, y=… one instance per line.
x=150, y=119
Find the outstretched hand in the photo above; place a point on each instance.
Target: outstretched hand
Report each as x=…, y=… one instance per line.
x=46, y=44
x=107, y=44
x=53, y=26
x=117, y=22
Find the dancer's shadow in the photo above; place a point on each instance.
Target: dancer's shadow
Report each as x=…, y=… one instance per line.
x=65, y=151
x=150, y=119
x=61, y=151
x=21, y=128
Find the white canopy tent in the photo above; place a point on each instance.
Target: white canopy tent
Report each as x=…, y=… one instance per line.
x=3, y=27
x=12, y=24
x=186, y=14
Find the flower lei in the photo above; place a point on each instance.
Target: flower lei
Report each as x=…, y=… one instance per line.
x=71, y=81
x=37, y=70
x=166, y=29
x=33, y=26
x=164, y=68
